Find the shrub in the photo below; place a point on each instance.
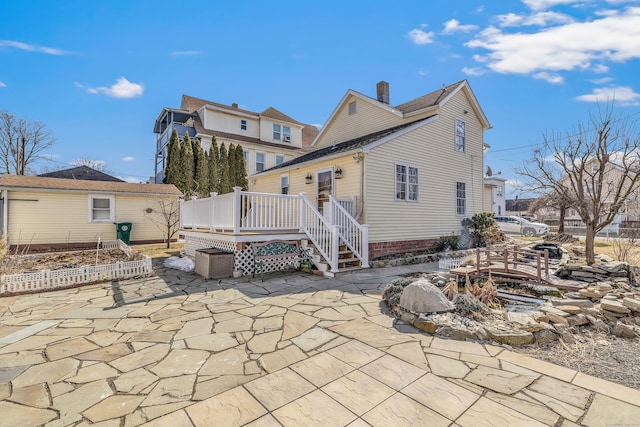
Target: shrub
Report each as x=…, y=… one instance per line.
x=484, y=229
x=447, y=243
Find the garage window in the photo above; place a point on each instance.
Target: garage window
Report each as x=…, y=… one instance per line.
x=101, y=208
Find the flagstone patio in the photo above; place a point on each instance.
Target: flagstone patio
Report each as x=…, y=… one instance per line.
x=297, y=349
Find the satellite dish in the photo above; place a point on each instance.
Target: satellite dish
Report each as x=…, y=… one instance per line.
x=489, y=171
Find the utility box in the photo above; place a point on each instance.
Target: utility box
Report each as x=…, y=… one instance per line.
x=214, y=263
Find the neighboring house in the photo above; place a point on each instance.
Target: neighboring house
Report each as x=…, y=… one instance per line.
x=268, y=138
x=81, y=172
x=517, y=206
x=493, y=199
x=42, y=212
x=381, y=179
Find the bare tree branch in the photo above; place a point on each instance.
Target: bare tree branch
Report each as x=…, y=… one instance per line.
x=21, y=143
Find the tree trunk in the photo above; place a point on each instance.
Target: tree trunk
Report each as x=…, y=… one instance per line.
x=563, y=211
x=589, y=244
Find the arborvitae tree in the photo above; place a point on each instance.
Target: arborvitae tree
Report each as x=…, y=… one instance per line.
x=231, y=156
x=223, y=171
x=188, y=169
x=172, y=167
x=214, y=178
x=202, y=170
x=241, y=169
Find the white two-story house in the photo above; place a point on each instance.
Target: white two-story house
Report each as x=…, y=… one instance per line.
x=268, y=138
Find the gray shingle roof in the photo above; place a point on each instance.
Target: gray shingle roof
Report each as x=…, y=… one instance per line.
x=351, y=144
x=81, y=172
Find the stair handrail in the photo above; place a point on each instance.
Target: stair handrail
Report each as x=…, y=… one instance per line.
x=322, y=234
x=358, y=243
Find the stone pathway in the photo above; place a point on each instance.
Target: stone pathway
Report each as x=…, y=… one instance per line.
x=297, y=349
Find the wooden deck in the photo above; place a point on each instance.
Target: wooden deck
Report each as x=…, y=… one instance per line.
x=516, y=265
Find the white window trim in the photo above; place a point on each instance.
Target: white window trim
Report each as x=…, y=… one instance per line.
x=465, y=198
x=455, y=136
x=351, y=110
x=243, y=122
x=112, y=207
x=288, y=184
x=281, y=156
x=264, y=161
x=279, y=132
x=395, y=183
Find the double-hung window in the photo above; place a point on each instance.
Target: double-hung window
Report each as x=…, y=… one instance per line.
x=243, y=124
x=284, y=184
x=461, y=198
x=406, y=182
x=259, y=162
x=461, y=135
x=286, y=133
x=101, y=208
x=279, y=159
x=277, y=131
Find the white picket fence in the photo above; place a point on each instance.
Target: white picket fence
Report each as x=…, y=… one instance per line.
x=65, y=277
x=446, y=264
x=117, y=244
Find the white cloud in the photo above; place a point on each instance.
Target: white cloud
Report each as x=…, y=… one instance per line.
x=601, y=81
x=186, y=53
x=539, y=19
x=453, y=26
x=600, y=69
x=549, y=77
x=545, y=4
x=422, y=72
x=473, y=71
x=122, y=88
x=128, y=159
x=576, y=45
x=622, y=95
x=2, y=84
x=421, y=37
x=32, y=47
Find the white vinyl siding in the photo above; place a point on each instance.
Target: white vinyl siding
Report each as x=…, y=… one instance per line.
x=48, y=217
x=406, y=183
x=429, y=149
x=101, y=208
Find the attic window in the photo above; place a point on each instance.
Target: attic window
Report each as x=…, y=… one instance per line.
x=352, y=108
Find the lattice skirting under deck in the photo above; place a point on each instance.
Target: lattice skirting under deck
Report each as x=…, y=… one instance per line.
x=242, y=258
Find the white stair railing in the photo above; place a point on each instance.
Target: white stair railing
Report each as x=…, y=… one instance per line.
x=353, y=234
x=322, y=234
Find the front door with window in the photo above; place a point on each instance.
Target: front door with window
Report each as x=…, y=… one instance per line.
x=325, y=187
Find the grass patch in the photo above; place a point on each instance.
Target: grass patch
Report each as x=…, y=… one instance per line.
x=160, y=250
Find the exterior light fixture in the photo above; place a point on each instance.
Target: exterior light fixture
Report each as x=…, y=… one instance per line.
x=308, y=179
x=338, y=173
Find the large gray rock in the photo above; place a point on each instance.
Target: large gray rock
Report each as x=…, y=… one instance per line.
x=423, y=296
x=514, y=337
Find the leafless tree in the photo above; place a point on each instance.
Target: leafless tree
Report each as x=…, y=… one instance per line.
x=99, y=165
x=554, y=201
x=596, y=167
x=21, y=143
x=164, y=213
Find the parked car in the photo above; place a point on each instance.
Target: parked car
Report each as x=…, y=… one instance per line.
x=517, y=225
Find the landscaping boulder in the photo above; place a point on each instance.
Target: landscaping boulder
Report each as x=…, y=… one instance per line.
x=422, y=296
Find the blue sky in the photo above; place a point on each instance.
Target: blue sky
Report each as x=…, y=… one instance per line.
x=99, y=73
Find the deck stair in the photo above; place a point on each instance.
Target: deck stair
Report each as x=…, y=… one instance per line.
x=347, y=261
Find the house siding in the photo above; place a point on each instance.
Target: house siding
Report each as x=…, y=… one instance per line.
x=369, y=118
x=54, y=218
x=431, y=149
x=345, y=187
x=230, y=123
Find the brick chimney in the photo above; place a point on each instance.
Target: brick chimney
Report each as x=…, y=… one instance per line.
x=234, y=105
x=382, y=89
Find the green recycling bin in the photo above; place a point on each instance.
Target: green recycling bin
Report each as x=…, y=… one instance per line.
x=123, y=231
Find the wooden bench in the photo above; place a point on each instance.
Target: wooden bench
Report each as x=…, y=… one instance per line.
x=274, y=251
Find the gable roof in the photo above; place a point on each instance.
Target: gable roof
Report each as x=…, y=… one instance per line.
x=365, y=141
x=433, y=100
x=81, y=172
x=22, y=182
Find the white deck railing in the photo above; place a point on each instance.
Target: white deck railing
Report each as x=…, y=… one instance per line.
x=243, y=211
x=351, y=232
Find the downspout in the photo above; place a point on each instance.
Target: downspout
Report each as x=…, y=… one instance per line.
x=5, y=216
x=360, y=159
